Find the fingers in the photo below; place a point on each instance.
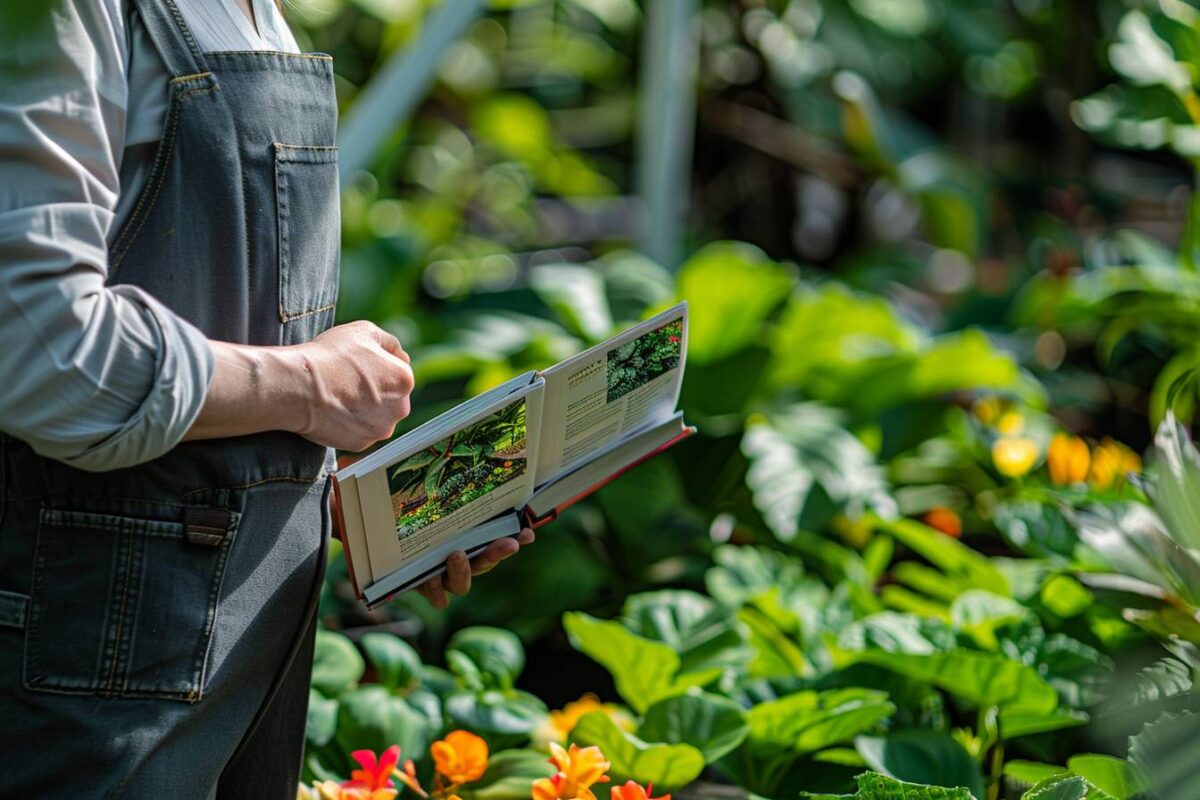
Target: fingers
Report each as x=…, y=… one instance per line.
x=435, y=592
x=390, y=343
x=458, y=573
x=457, y=578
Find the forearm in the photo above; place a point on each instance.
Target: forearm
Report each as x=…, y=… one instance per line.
x=253, y=389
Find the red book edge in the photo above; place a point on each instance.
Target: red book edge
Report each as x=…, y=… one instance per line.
x=552, y=515
x=339, y=523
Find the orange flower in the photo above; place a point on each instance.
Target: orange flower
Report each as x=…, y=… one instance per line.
x=461, y=757
x=943, y=519
x=1111, y=462
x=1068, y=460
x=634, y=791
x=578, y=769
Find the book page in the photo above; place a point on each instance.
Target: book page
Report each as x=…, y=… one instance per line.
x=424, y=499
x=611, y=391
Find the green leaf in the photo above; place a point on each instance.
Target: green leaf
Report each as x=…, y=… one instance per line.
x=495, y=653
x=1175, y=482
x=644, y=671
x=504, y=716
x=373, y=719
x=1065, y=596
x=929, y=757
x=398, y=666
x=808, y=721
x=1032, y=772
x=667, y=766
x=704, y=635
x=1060, y=787
x=948, y=554
x=873, y=786
x=805, y=467
x=577, y=295
x=731, y=288
x=322, y=719
x=1113, y=776
x=979, y=614
x=1016, y=725
x=337, y=664
x=1168, y=749
x=509, y=776
x=827, y=332
x=924, y=649
x=711, y=724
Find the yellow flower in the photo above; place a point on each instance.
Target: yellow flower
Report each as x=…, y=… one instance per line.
x=461, y=757
x=987, y=409
x=1068, y=460
x=1010, y=423
x=559, y=724
x=578, y=770
x=1014, y=456
x=1111, y=462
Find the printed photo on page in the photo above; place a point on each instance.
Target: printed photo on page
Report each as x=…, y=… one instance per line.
x=612, y=390
x=461, y=480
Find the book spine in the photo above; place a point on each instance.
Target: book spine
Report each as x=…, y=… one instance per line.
x=339, y=531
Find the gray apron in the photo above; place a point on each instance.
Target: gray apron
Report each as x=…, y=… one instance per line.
x=156, y=622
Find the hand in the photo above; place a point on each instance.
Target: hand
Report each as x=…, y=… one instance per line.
x=457, y=578
x=359, y=381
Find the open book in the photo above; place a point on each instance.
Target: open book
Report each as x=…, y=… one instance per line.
x=514, y=456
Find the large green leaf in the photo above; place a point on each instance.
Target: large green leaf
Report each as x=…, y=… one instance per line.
x=808, y=721
x=508, y=777
x=705, y=635
x=397, y=665
x=826, y=332
x=667, y=766
x=805, y=467
x=924, y=649
x=493, y=656
x=731, y=288
x=1061, y=787
x=1175, y=482
x=645, y=671
x=577, y=295
x=506, y=716
x=321, y=722
x=948, y=554
x=873, y=786
x=337, y=664
x=713, y=725
x=373, y=719
x=979, y=614
x=1168, y=750
x=929, y=757
x=1113, y=776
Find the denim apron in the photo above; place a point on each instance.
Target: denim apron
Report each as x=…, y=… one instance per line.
x=156, y=621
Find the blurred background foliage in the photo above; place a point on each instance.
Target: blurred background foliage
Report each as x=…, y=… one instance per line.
x=930, y=198
x=941, y=258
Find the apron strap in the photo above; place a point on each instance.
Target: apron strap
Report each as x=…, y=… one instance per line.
x=171, y=37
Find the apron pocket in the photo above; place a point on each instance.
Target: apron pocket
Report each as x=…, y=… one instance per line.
x=306, y=202
x=124, y=606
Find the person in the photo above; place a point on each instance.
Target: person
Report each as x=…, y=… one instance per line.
x=173, y=389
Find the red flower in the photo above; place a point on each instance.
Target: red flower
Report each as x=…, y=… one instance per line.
x=375, y=773
x=633, y=791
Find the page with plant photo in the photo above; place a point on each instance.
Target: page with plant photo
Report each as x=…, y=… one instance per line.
x=612, y=390
x=481, y=469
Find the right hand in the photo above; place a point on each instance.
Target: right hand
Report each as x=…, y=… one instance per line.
x=358, y=380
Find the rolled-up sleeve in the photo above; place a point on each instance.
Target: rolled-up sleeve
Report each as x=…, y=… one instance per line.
x=97, y=376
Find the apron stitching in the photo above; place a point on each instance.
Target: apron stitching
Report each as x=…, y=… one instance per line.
x=159, y=175
x=121, y=614
x=310, y=312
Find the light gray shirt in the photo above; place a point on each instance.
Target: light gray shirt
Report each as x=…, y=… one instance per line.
x=98, y=376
